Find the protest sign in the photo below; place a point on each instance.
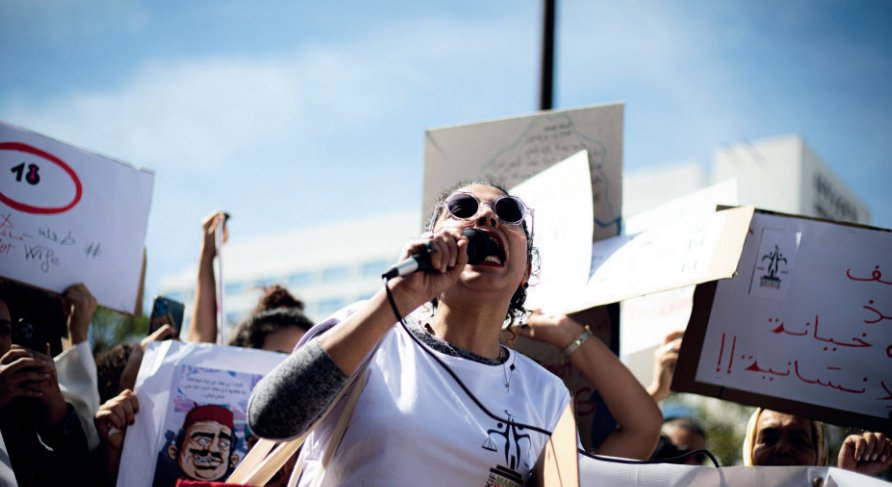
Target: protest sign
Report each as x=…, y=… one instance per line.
x=605, y=327
x=182, y=387
x=699, y=250
x=804, y=327
x=647, y=319
x=70, y=216
x=562, y=237
x=512, y=150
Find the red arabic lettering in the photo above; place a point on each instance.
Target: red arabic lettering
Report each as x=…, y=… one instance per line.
x=584, y=404
x=876, y=275
x=755, y=368
x=861, y=343
x=4, y=233
x=5, y=247
x=781, y=329
x=827, y=384
x=887, y=398
x=718, y=366
x=881, y=316
x=733, y=346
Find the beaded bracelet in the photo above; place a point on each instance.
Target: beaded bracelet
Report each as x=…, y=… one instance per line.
x=579, y=340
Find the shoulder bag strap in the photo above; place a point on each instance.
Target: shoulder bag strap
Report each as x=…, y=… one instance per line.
x=256, y=469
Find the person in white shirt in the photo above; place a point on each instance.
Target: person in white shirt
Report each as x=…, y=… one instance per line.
x=413, y=422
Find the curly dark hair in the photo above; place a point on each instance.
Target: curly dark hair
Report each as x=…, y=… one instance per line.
x=516, y=306
x=276, y=296
x=252, y=332
x=109, y=366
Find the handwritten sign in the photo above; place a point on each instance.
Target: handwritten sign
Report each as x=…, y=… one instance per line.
x=806, y=323
x=69, y=216
x=512, y=150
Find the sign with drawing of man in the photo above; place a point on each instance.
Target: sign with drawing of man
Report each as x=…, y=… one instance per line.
x=205, y=446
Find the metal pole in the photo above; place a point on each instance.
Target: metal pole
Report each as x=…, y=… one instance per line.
x=546, y=86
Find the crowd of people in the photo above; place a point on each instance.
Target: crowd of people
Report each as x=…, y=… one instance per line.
x=434, y=394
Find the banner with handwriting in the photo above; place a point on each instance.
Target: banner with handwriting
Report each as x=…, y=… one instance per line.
x=808, y=318
x=512, y=150
x=70, y=216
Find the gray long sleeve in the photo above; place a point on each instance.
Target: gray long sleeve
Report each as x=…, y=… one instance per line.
x=296, y=393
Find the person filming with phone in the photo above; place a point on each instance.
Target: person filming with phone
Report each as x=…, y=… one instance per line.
x=42, y=433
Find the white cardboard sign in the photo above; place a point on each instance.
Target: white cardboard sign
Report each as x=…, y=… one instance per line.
x=70, y=216
x=807, y=319
x=562, y=237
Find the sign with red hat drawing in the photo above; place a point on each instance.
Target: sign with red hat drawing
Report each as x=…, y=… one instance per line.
x=192, y=422
x=204, y=429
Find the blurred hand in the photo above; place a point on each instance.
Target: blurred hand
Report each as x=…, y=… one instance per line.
x=869, y=454
x=19, y=371
x=209, y=228
x=665, y=359
x=79, y=304
x=114, y=416
x=131, y=370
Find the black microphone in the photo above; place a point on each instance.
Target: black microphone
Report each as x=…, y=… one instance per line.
x=478, y=249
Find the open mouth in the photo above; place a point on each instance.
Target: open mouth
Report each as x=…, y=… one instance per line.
x=496, y=256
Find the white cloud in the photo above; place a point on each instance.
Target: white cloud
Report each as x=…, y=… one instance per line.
x=181, y=114
x=194, y=114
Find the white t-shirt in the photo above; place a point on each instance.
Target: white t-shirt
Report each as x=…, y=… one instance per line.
x=413, y=425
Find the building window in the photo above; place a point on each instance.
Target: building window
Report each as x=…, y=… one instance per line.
x=335, y=274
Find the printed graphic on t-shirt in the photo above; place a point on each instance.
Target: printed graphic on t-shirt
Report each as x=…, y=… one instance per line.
x=517, y=447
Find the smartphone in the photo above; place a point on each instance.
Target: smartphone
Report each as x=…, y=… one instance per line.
x=166, y=311
x=30, y=335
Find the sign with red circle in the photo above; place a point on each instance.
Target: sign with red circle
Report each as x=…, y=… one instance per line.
x=20, y=147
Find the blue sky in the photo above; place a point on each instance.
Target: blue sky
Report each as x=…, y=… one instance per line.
x=289, y=114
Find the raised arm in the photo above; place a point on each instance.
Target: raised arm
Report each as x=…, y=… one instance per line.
x=637, y=416
x=665, y=359
x=203, y=327
x=288, y=400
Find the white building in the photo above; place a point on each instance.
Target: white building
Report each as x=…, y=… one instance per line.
x=782, y=174
x=326, y=268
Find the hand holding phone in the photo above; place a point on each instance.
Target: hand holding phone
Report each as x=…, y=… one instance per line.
x=166, y=311
x=30, y=335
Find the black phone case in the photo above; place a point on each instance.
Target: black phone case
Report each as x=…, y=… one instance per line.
x=30, y=335
x=166, y=311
